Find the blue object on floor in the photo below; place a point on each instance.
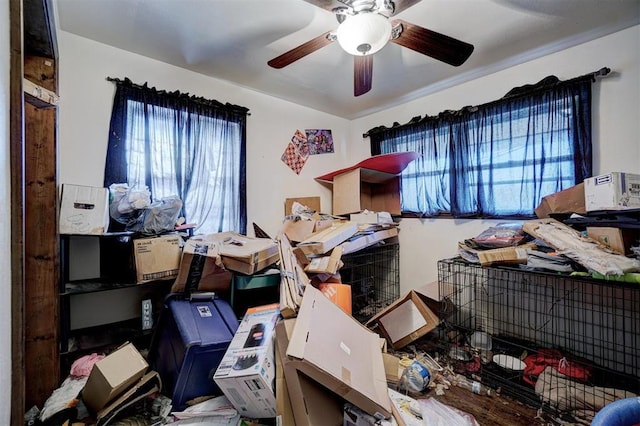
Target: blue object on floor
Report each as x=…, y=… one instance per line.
x=192, y=335
x=623, y=412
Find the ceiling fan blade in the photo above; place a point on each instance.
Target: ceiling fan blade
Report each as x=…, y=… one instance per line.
x=326, y=4
x=362, y=74
x=301, y=51
x=438, y=46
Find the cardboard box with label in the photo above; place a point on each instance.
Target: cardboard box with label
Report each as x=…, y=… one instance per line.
x=335, y=350
x=247, y=373
x=406, y=319
x=84, y=210
x=612, y=191
x=570, y=200
x=157, y=258
x=201, y=268
x=112, y=376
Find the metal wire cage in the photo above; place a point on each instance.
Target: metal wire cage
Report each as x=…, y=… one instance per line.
x=374, y=276
x=574, y=342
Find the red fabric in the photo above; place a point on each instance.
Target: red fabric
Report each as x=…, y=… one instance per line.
x=535, y=364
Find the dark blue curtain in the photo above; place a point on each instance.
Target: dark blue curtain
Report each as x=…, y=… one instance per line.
x=181, y=145
x=498, y=159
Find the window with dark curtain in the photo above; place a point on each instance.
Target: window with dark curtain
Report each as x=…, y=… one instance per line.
x=181, y=145
x=499, y=159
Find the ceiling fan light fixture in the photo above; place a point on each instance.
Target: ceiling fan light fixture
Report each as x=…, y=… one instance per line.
x=364, y=33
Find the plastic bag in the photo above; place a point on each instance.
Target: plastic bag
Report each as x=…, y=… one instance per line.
x=435, y=413
x=126, y=204
x=501, y=235
x=160, y=216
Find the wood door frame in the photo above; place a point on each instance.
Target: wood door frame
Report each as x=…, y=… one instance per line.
x=16, y=154
x=32, y=32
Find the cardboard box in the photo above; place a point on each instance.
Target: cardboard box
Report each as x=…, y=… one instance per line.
x=406, y=319
x=112, y=376
x=84, y=210
x=618, y=240
x=353, y=416
x=437, y=296
x=570, y=200
x=361, y=241
x=371, y=217
x=335, y=350
x=298, y=230
x=148, y=385
x=612, y=191
x=323, y=241
x=238, y=265
x=157, y=258
x=245, y=254
x=246, y=374
x=284, y=410
x=201, y=268
x=311, y=403
x=363, y=189
x=504, y=255
x=313, y=203
x=326, y=264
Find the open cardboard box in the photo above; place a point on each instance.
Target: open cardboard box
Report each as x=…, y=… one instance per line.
x=362, y=189
x=406, y=319
x=372, y=184
x=335, y=350
x=309, y=402
x=570, y=200
x=112, y=376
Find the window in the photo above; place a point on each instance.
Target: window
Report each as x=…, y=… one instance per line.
x=495, y=160
x=179, y=145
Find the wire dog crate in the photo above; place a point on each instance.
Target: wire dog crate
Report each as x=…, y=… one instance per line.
x=574, y=342
x=374, y=276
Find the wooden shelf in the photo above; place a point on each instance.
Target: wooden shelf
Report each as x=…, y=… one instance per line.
x=38, y=96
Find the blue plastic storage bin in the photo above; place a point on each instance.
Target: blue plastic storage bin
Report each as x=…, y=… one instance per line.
x=192, y=335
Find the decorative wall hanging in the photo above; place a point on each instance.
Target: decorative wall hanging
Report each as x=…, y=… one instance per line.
x=319, y=141
x=296, y=153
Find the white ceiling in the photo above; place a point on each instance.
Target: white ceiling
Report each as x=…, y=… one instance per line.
x=232, y=40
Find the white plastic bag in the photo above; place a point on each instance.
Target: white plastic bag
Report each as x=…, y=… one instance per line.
x=435, y=413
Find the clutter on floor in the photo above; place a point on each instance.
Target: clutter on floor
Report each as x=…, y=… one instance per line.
x=504, y=325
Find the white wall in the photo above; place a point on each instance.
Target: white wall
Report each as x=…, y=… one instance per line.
x=85, y=105
x=616, y=133
x=5, y=213
x=86, y=99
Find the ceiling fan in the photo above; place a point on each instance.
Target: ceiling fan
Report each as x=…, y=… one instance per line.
x=365, y=28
